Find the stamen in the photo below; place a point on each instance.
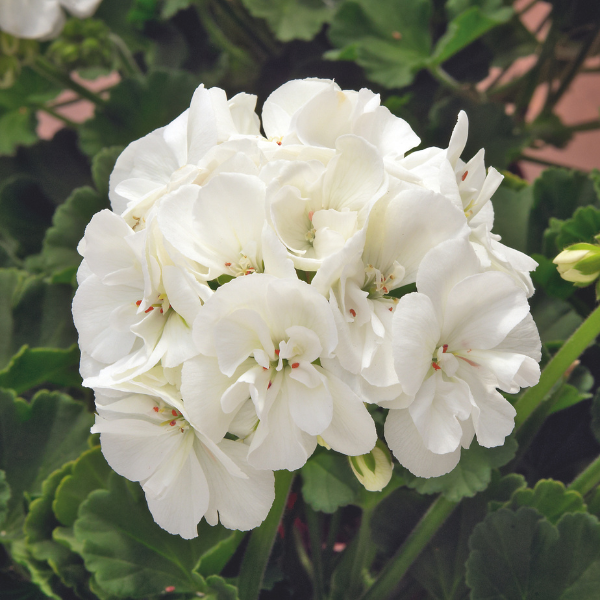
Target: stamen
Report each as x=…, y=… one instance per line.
x=444, y=348
x=155, y=408
x=149, y=309
x=270, y=384
x=278, y=143
x=228, y=264
x=353, y=312
x=277, y=351
x=390, y=309
x=295, y=365
x=138, y=302
x=464, y=175
x=436, y=366
x=173, y=423
x=161, y=311
x=174, y=412
x=265, y=368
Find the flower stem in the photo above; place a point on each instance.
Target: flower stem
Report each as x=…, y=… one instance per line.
x=262, y=539
x=46, y=69
x=314, y=521
x=557, y=367
x=585, y=482
x=421, y=535
x=362, y=556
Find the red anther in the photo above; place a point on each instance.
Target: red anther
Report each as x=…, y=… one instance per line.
x=249, y=272
x=295, y=365
x=174, y=412
x=291, y=500
x=155, y=409
x=444, y=348
x=227, y=264
x=149, y=309
x=310, y=215
x=390, y=309
x=278, y=143
x=182, y=430
x=436, y=366
x=464, y=175
x=170, y=588
x=138, y=302
x=172, y=423
x=352, y=312
x=265, y=368
x=385, y=290
x=277, y=351
x=270, y=384
x=161, y=311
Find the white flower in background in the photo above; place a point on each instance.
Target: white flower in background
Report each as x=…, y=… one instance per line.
x=461, y=336
x=133, y=306
x=41, y=19
x=316, y=209
x=262, y=338
x=213, y=135
x=185, y=475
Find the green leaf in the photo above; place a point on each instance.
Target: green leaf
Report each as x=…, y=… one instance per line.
x=59, y=253
x=389, y=39
x=17, y=128
x=466, y=27
x=172, y=7
x=36, y=439
x=511, y=215
x=521, y=555
x=584, y=226
x=556, y=319
x=472, y=474
x=4, y=496
x=129, y=554
x=31, y=367
x=293, y=19
x=547, y=277
x=90, y=473
x=569, y=396
x=551, y=498
x=136, y=107
x=556, y=193
x=25, y=213
x=328, y=482
x=102, y=167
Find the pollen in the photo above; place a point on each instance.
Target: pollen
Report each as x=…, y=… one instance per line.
x=138, y=302
x=278, y=143
x=174, y=412
x=227, y=264
x=353, y=312
x=295, y=365
x=155, y=408
x=270, y=384
x=436, y=366
x=173, y=423
x=149, y=309
x=464, y=175
x=444, y=348
x=277, y=351
x=390, y=309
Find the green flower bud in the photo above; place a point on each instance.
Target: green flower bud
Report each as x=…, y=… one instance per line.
x=579, y=263
x=373, y=470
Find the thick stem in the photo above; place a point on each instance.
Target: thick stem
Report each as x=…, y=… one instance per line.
x=361, y=555
x=262, y=539
x=49, y=71
x=316, y=553
x=585, y=482
x=421, y=535
x=557, y=367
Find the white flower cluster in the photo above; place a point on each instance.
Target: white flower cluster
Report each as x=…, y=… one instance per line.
x=240, y=303
x=41, y=19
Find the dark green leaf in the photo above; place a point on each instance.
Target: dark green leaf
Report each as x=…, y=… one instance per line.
x=36, y=439
x=511, y=215
x=172, y=7
x=472, y=474
x=90, y=473
x=31, y=367
x=328, y=482
x=547, y=277
x=556, y=319
x=129, y=554
x=102, y=166
x=389, y=39
x=550, y=498
x=569, y=396
x=584, y=226
x=137, y=107
x=4, y=496
x=466, y=27
x=515, y=556
x=17, y=128
x=293, y=19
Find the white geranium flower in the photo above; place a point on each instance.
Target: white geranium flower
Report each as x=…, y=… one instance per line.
x=134, y=306
x=41, y=19
x=316, y=209
x=184, y=474
x=262, y=338
x=461, y=336
x=186, y=151
x=222, y=226
x=316, y=112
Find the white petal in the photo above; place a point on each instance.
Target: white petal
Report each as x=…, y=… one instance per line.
x=310, y=408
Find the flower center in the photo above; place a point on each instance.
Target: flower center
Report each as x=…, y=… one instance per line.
x=172, y=417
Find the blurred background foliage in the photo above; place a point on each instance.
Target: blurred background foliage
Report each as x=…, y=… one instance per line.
x=428, y=59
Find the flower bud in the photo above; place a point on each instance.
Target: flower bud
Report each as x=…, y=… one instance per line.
x=579, y=263
x=373, y=470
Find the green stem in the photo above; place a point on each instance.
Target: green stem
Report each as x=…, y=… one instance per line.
x=57, y=115
x=585, y=126
x=361, y=555
x=585, y=482
x=421, y=535
x=542, y=161
x=130, y=66
x=262, y=539
x=334, y=528
x=557, y=367
x=46, y=69
x=453, y=84
x=313, y=520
